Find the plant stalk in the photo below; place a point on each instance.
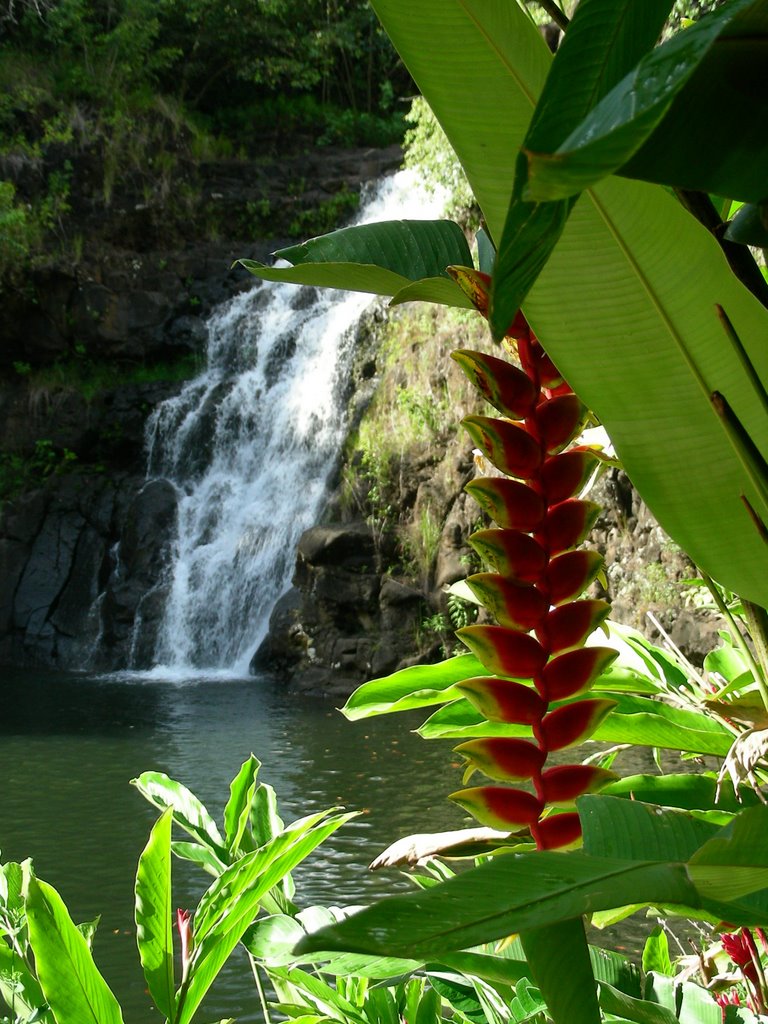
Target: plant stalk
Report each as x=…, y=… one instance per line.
x=557, y=15
x=757, y=621
x=259, y=988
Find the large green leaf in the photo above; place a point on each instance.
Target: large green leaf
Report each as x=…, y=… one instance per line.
x=238, y=808
x=625, y=305
x=669, y=858
x=628, y=829
x=421, y=686
x=728, y=865
x=603, y=41
x=510, y=894
x=188, y=811
x=415, y=687
x=656, y=124
x=75, y=990
x=383, y=258
x=570, y=995
x=691, y=792
x=154, y=914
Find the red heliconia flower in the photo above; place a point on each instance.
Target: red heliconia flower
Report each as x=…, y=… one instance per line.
x=535, y=656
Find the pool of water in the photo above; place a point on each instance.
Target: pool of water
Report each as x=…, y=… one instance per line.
x=70, y=744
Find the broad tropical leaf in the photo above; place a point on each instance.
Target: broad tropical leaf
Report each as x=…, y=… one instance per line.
x=416, y=687
x=72, y=985
x=507, y=895
x=188, y=812
x=638, y=340
x=384, y=259
x=154, y=914
x=570, y=994
x=603, y=41
x=684, y=865
x=656, y=124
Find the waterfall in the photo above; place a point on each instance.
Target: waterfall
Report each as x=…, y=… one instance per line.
x=250, y=445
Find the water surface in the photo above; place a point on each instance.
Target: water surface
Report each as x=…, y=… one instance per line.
x=70, y=744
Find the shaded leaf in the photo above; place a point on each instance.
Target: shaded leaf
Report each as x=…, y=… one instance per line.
x=381, y=258
x=668, y=102
x=603, y=41
x=500, y=898
x=570, y=994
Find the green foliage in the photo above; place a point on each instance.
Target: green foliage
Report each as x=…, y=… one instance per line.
x=20, y=473
x=655, y=857
x=461, y=58
x=326, y=215
x=409, y=255
x=18, y=234
x=427, y=150
x=80, y=371
x=47, y=971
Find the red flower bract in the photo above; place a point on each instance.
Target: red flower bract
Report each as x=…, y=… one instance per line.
x=533, y=590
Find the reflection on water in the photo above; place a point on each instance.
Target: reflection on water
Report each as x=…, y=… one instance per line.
x=70, y=744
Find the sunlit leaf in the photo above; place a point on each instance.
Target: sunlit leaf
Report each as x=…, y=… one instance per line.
x=72, y=985
x=238, y=807
x=154, y=914
x=188, y=812
x=618, y=262
x=415, y=687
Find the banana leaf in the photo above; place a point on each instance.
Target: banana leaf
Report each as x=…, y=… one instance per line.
x=626, y=304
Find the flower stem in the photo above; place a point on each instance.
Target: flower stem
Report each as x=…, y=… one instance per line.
x=260, y=989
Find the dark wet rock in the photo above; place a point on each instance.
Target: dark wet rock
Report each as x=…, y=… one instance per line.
x=350, y=545
x=188, y=333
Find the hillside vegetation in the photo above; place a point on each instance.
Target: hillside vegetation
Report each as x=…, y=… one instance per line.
x=103, y=99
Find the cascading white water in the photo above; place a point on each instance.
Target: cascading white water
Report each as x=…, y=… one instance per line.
x=250, y=445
